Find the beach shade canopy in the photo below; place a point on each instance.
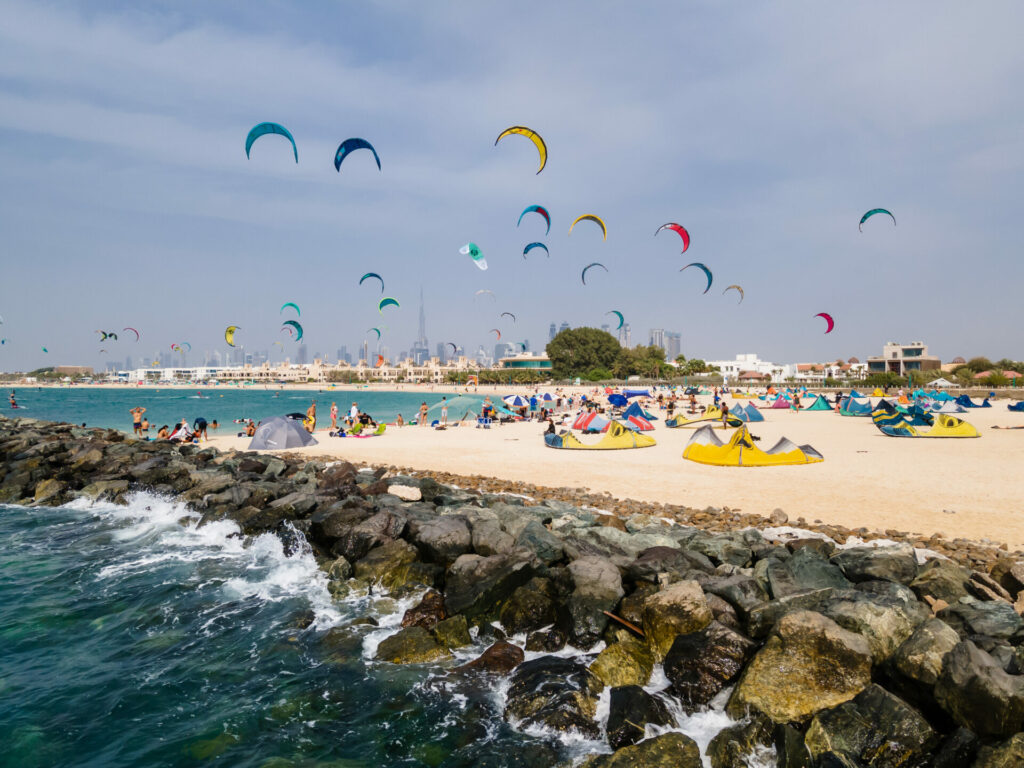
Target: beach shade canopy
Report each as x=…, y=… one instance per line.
x=515, y=401
x=617, y=400
x=279, y=433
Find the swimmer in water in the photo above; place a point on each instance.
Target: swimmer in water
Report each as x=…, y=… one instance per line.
x=14, y=403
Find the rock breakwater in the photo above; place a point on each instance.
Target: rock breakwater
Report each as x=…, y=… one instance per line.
x=608, y=627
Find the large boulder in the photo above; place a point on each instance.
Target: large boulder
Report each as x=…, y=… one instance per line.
x=970, y=616
x=677, y=610
x=411, y=645
x=598, y=588
x=742, y=745
x=541, y=542
x=356, y=541
x=628, y=662
x=500, y=659
x=730, y=548
x=441, y=539
x=453, y=632
x=388, y=564
x=895, y=563
x=1009, y=573
x=744, y=593
x=488, y=538
x=919, y=658
x=670, y=750
x=884, y=622
x=427, y=613
x=553, y=693
x=659, y=564
x=631, y=709
x=978, y=694
x=531, y=607
x=476, y=586
x=807, y=570
x=875, y=728
x=941, y=579
x=959, y=749
x=700, y=664
x=1008, y=754
x=808, y=664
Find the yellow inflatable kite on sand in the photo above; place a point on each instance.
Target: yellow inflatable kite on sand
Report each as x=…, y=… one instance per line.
x=705, y=447
x=615, y=438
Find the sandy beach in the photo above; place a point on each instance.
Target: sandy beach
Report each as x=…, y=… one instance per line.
x=969, y=488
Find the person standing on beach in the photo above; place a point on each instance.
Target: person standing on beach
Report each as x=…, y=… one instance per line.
x=137, y=419
x=334, y=416
x=353, y=414
x=310, y=421
x=423, y=414
x=444, y=411
x=725, y=414
x=199, y=428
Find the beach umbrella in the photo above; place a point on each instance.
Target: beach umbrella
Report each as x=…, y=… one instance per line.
x=515, y=401
x=617, y=400
x=280, y=432
x=546, y=397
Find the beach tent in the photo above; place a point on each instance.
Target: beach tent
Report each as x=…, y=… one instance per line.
x=617, y=437
x=781, y=402
x=635, y=410
x=705, y=447
x=546, y=397
x=944, y=426
x=851, y=407
x=966, y=402
x=278, y=433
x=818, y=404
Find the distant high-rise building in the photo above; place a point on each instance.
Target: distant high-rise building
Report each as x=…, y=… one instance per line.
x=552, y=331
x=657, y=338
x=343, y=355
x=421, y=348
x=128, y=363
x=442, y=352
x=366, y=350
x=502, y=349
x=606, y=328
x=302, y=355
x=563, y=327
x=673, y=345
x=626, y=335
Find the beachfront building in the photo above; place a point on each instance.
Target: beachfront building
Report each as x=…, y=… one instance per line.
x=903, y=359
x=525, y=362
x=751, y=363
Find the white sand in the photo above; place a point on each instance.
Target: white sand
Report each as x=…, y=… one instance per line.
x=972, y=488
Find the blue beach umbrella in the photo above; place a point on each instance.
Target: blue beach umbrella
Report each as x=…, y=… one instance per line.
x=515, y=401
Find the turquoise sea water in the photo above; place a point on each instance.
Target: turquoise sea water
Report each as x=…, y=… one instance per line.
x=129, y=639
x=109, y=407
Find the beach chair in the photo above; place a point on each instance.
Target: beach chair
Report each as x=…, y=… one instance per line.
x=483, y=421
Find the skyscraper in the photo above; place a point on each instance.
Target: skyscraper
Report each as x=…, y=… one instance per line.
x=626, y=335
x=673, y=345
x=551, y=332
x=657, y=338
x=302, y=355
x=421, y=349
x=563, y=327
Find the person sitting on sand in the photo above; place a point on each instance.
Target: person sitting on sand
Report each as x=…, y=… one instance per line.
x=399, y=421
x=163, y=433
x=250, y=429
x=551, y=428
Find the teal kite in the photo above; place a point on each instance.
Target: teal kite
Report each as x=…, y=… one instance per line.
x=700, y=266
x=583, y=274
x=536, y=209
x=387, y=302
x=296, y=326
x=531, y=246
x=375, y=330
x=263, y=129
x=368, y=275
x=871, y=213
x=618, y=314
x=293, y=305
x=473, y=251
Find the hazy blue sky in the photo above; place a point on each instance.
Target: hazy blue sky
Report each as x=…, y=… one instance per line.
x=766, y=129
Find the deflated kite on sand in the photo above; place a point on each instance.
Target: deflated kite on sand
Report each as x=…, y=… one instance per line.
x=705, y=447
x=617, y=437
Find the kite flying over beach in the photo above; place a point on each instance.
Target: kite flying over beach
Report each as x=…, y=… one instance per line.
x=351, y=145
x=483, y=291
x=679, y=230
x=532, y=135
x=591, y=217
x=473, y=251
x=509, y=314
x=368, y=275
x=263, y=129
x=536, y=209
x=583, y=274
x=229, y=335
x=296, y=326
x=455, y=349
x=387, y=302
x=531, y=246
x=706, y=271
x=293, y=305
x=495, y=330
x=375, y=330
x=137, y=334
x=871, y=213
x=619, y=315
x=737, y=288
x=828, y=319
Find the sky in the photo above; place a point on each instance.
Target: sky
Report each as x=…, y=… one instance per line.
x=766, y=129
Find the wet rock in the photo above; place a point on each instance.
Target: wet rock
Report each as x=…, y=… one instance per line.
x=1008, y=754
x=546, y=640
x=762, y=618
x=427, y=613
x=631, y=710
x=670, y=750
x=700, y=664
x=978, y=694
x=598, y=588
x=476, y=586
x=875, y=728
x=50, y=492
x=678, y=610
x=441, y=539
x=808, y=664
x=970, y=616
x=411, y=645
x=631, y=607
x=541, y=542
x=959, y=749
x=742, y=744
x=723, y=612
x=655, y=564
x=553, y=693
x=884, y=622
x=941, y=579
x=106, y=490
x=628, y=662
x=895, y=563
x=355, y=541
x=387, y=565
x=743, y=593
x=789, y=747
x=531, y=607
x=489, y=539
x=920, y=657
x=453, y=632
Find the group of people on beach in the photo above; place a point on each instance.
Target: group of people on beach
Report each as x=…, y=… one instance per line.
x=181, y=432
